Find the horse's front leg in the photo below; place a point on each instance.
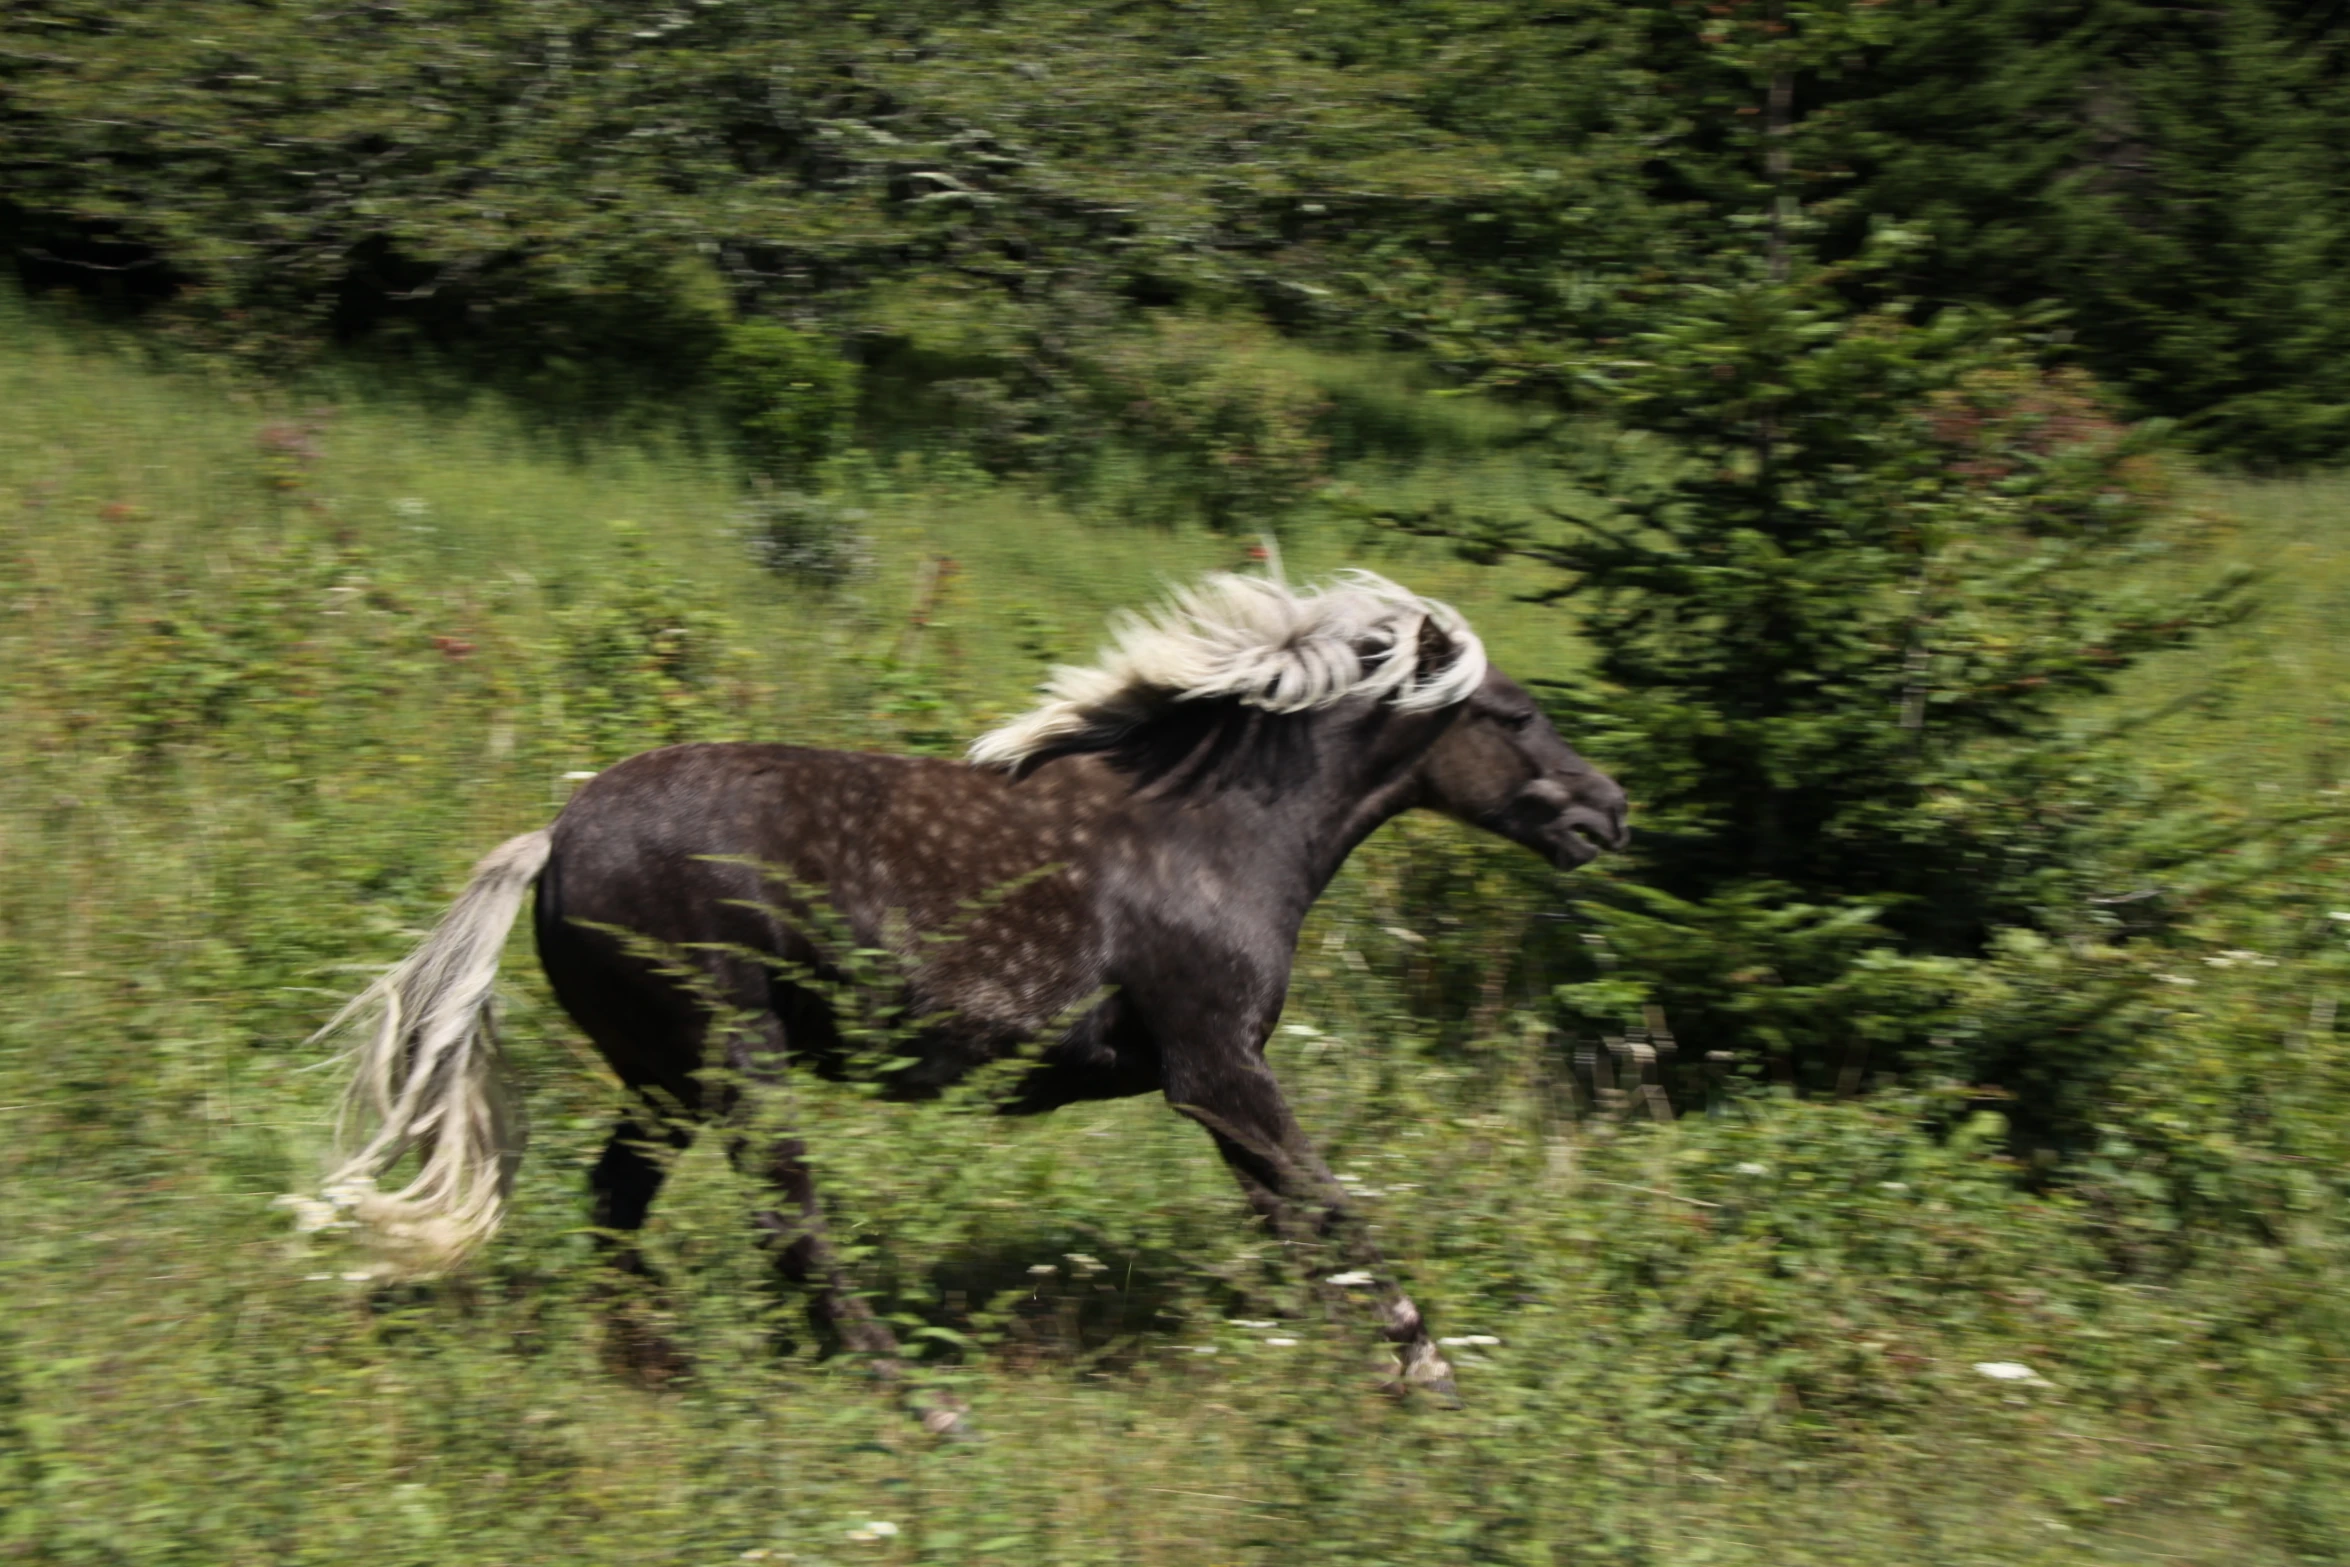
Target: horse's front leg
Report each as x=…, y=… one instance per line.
x=1234, y=1095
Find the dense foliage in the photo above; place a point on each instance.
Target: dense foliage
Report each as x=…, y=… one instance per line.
x=579, y=196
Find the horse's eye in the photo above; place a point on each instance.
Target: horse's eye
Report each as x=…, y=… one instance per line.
x=1517, y=720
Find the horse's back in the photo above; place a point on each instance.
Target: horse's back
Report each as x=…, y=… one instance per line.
x=651, y=842
x=787, y=851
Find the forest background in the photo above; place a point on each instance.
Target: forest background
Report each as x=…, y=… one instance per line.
x=1891, y=437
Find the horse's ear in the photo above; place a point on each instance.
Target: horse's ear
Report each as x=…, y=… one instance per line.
x=1439, y=649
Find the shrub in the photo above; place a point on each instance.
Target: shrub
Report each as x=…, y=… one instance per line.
x=1232, y=432
x=788, y=397
x=803, y=536
x=642, y=663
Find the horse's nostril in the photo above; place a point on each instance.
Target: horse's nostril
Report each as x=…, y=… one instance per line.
x=1596, y=829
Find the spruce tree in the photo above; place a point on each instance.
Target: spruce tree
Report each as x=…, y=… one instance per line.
x=1849, y=562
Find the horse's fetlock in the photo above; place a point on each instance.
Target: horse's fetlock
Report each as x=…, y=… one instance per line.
x=944, y=1416
x=1426, y=1371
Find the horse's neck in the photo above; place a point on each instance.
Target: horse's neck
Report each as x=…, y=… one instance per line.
x=1288, y=833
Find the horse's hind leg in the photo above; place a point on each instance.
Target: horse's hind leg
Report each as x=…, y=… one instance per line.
x=795, y=1230
x=804, y=1255
x=622, y=1186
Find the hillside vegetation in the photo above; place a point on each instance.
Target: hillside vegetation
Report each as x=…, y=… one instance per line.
x=1881, y=432
x=280, y=668
x=581, y=196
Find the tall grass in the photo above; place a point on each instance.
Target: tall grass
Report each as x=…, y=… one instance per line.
x=275, y=678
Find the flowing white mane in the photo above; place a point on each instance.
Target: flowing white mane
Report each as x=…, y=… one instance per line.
x=1253, y=640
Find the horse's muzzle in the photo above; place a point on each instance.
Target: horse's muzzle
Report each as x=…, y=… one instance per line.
x=1590, y=831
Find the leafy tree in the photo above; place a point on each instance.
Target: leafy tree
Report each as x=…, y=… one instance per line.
x=2171, y=176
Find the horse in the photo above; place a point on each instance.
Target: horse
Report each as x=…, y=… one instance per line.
x=1123, y=872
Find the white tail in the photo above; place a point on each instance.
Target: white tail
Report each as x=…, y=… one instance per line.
x=427, y=1076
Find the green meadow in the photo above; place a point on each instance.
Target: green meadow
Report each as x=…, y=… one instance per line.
x=280, y=666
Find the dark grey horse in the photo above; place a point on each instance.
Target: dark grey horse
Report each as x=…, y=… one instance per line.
x=1123, y=874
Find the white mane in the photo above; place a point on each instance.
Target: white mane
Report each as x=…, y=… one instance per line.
x=1253, y=640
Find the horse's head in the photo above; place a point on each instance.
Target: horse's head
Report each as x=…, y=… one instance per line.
x=1502, y=767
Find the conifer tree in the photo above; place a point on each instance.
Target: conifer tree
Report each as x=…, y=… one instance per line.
x=1847, y=560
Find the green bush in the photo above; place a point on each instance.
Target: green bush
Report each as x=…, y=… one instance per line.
x=641, y=662
x=787, y=396
x=809, y=538
x=1234, y=433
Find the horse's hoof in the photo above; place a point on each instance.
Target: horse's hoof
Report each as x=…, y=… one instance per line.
x=642, y=1353
x=1426, y=1374
x=1440, y=1392
x=947, y=1418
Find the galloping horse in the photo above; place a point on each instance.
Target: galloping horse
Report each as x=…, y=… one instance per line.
x=1124, y=872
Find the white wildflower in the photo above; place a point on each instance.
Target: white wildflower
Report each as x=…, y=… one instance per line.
x=350, y=1193
x=1252, y=1326
x=412, y=506
x=1470, y=1341
x=329, y=1210
x=1751, y=1168
x=1040, y=1269
x=1350, y=1280
x=310, y=1214
x=1301, y=1030
x=1281, y=1343
x=2011, y=1371
x=1893, y=1186
x=1078, y=1259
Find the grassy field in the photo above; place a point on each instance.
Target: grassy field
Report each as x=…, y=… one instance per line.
x=276, y=675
